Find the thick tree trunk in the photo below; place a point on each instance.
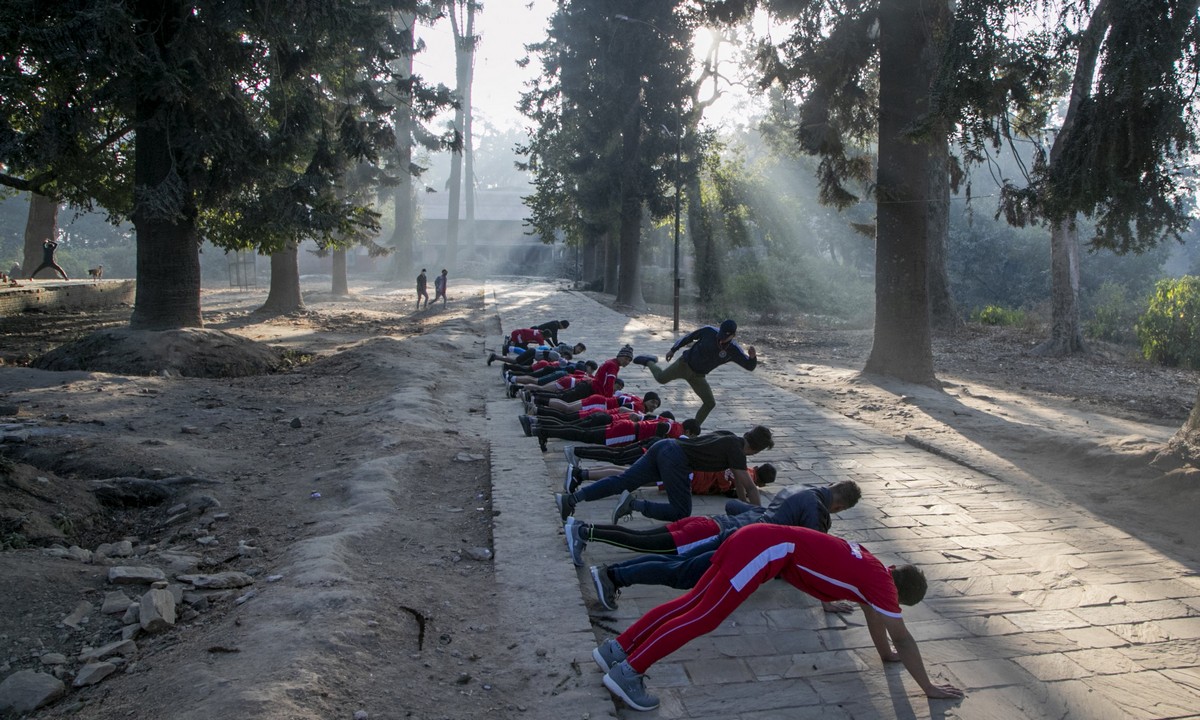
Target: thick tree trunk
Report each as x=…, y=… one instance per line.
x=402, y=197
x=40, y=225
x=902, y=346
x=1065, y=336
x=340, y=285
x=943, y=313
x=612, y=264
x=629, y=280
x=284, y=295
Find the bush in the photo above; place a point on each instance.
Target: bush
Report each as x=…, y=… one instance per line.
x=1169, y=330
x=1112, y=314
x=996, y=315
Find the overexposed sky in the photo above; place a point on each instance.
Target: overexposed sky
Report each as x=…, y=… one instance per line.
x=505, y=27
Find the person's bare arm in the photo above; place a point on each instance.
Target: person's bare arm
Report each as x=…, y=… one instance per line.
x=746, y=489
x=881, y=628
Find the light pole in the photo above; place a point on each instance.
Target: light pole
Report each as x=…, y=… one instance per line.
x=675, y=265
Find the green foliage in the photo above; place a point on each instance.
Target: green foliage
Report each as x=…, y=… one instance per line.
x=1111, y=313
x=13, y=541
x=999, y=316
x=1169, y=330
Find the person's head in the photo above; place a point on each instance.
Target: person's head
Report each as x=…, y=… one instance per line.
x=764, y=474
x=691, y=428
x=422, y=271
x=564, y=324
x=726, y=332
x=667, y=414
x=625, y=355
x=758, y=439
x=579, y=348
x=651, y=401
x=590, y=366
x=618, y=384
x=843, y=495
x=910, y=584
x=443, y=271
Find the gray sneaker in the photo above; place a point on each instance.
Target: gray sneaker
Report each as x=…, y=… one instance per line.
x=569, y=481
x=566, y=507
x=526, y=424
x=606, y=591
x=624, y=507
x=645, y=360
x=608, y=654
x=569, y=453
x=576, y=540
x=625, y=682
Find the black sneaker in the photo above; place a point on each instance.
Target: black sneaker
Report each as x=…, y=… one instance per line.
x=566, y=506
x=624, y=507
x=491, y=358
x=526, y=425
x=512, y=390
x=627, y=684
x=645, y=360
x=541, y=439
x=606, y=590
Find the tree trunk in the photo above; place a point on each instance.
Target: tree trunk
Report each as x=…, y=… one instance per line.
x=461, y=57
x=284, y=295
x=40, y=225
x=1065, y=336
x=706, y=271
x=164, y=216
x=902, y=346
x=943, y=313
x=629, y=281
x=402, y=197
x=611, y=262
x=340, y=286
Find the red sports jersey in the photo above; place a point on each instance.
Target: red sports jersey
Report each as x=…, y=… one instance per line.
x=524, y=336
x=606, y=378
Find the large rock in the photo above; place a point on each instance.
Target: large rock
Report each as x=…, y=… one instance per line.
x=218, y=581
x=156, y=611
x=27, y=690
x=134, y=575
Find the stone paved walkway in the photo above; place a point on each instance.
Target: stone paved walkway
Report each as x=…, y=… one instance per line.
x=1036, y=608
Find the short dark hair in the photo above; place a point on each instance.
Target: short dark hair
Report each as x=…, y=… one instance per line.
x=590, y=365
x=580, y=348
x=847, y=491
x=651, y=396
x=691, y=427
x=564, y=323
x=910, y=584
x=667, y=414
x=759, y=439
x=764, y=474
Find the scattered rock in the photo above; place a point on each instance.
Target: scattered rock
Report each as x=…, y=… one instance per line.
x=124, y=648
x=53, y=659
x=93, y=673
x=479, y=553
x=78, y=616
x=133, y=575
x=218, y=581
x=115, y=602
x=27, y=690
x=156, y=610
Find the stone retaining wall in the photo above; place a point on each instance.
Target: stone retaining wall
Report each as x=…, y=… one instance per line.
x=66, y=295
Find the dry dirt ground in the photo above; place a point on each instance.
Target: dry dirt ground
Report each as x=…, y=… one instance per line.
x=369, y=547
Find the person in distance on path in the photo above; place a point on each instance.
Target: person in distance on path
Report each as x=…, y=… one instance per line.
x=826, y=567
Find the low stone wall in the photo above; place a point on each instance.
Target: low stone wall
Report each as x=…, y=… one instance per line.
x=65, y=295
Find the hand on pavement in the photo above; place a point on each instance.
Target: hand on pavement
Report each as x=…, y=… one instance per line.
x=943, y=691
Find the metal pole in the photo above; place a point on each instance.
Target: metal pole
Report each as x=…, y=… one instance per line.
x=678, y=152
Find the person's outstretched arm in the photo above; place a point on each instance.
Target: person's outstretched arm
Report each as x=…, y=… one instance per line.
x=881, y=628
x=746, y=489
x=685, y=340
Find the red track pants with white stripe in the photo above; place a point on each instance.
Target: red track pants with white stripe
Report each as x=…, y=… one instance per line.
x=677, y=622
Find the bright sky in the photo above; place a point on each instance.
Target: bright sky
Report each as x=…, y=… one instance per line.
x=505, y=27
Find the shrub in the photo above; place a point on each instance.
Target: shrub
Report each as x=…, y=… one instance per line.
x=1112, y=314
x=1169, y=330
x=996, y=315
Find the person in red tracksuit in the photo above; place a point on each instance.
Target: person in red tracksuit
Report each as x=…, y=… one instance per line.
x=826, y=567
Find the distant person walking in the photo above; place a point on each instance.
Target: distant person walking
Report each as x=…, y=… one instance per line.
x=422, y=289
x=439, y=287
x=710, y=348
x=49, y=247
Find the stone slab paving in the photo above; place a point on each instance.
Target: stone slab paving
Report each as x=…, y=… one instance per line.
x=1036, y=608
